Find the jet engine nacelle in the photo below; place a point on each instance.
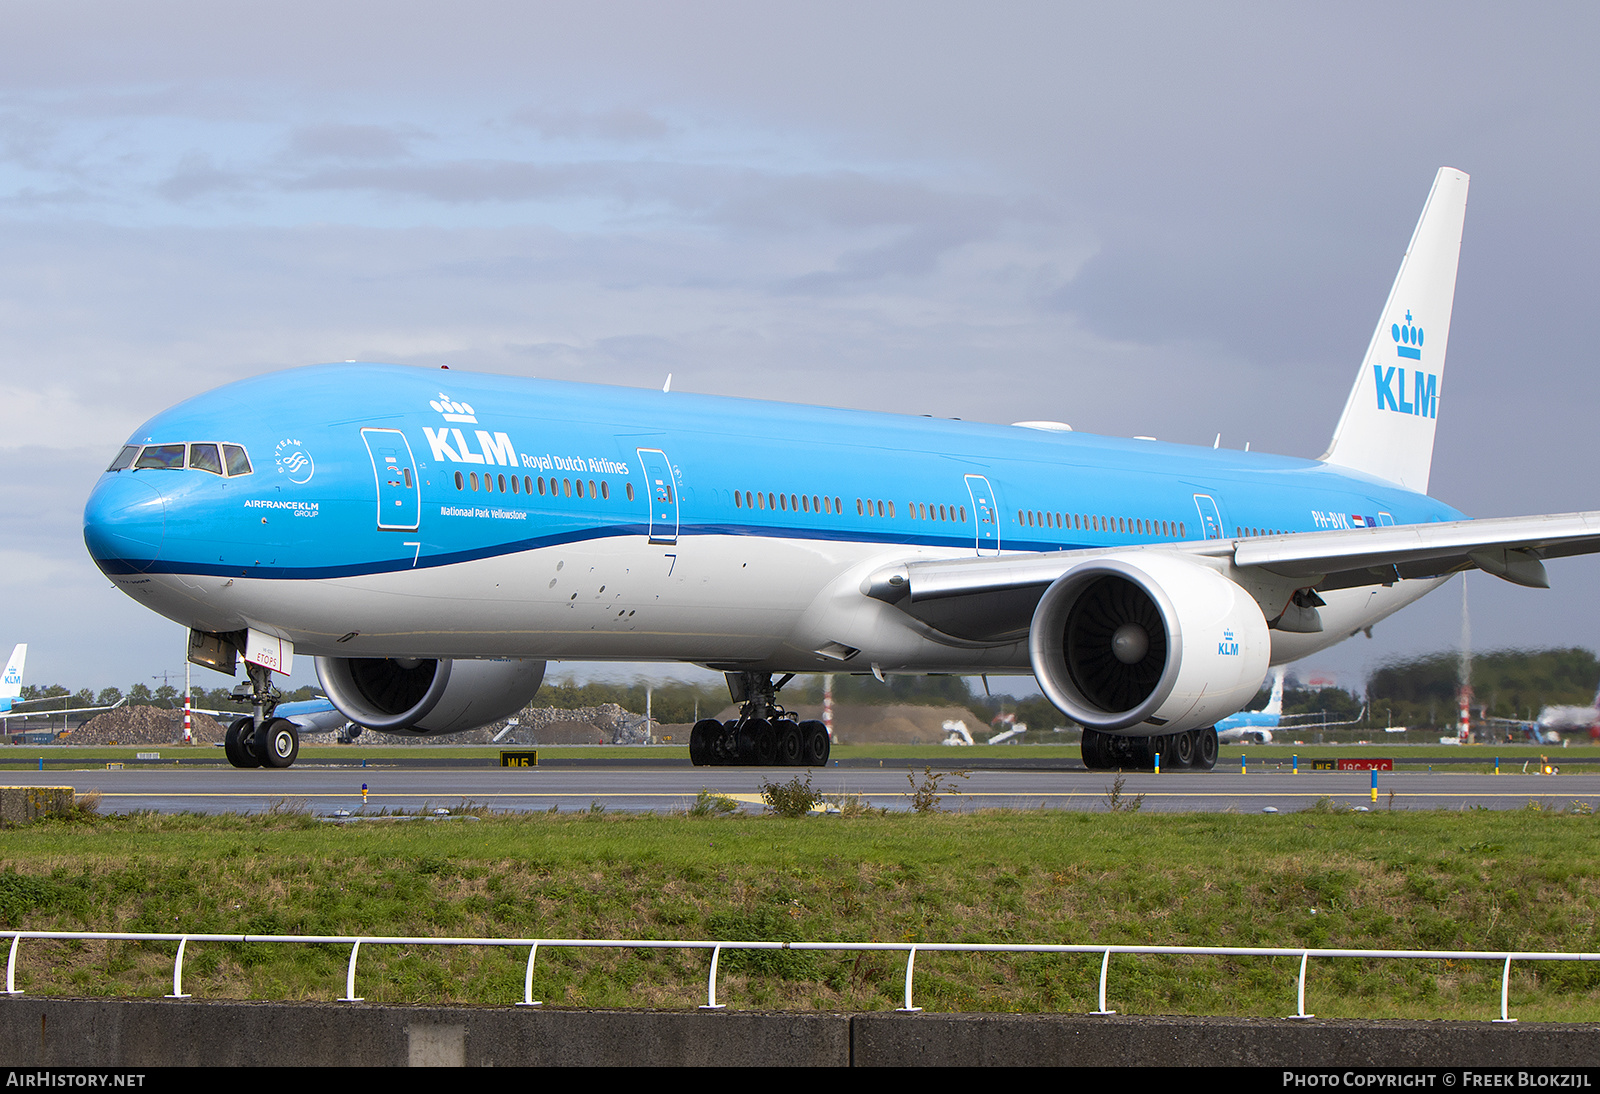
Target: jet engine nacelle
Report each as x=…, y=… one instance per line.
x=425, y=696
x=1147, y=644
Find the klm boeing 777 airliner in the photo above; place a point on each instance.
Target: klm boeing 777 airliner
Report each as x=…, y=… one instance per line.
x=432, y=537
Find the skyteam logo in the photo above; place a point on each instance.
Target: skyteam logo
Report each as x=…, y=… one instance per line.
x=1229, y=646
x=1391, y=382
x=295, y=462
x=452, y=410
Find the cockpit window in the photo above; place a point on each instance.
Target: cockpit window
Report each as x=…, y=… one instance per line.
x=208, y=456
x=204, y=457
x=161, y=457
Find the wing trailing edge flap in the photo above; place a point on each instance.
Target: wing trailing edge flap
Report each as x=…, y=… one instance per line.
x=1512, y=548
x=992, y=599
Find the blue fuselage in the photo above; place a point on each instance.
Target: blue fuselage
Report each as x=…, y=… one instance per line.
x=478, y=499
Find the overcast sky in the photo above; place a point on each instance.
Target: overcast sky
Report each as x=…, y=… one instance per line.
x=1174, y=220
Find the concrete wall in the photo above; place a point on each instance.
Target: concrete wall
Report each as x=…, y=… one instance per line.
x=44, y=1032
x=22, y=804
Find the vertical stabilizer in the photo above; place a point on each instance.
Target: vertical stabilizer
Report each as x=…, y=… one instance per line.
x=1388, y=423
x=1275, y=703
x=11, y=682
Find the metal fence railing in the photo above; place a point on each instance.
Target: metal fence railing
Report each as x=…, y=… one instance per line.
x=910, y=949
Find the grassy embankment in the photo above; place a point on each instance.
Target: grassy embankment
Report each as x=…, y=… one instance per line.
x=1471, y=880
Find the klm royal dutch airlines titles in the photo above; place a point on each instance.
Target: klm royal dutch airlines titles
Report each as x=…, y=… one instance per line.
x=433, y=537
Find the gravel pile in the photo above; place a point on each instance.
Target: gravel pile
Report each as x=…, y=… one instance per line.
x=128, y=725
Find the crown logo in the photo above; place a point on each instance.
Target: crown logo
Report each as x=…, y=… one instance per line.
x=453, y=411
x=1407, y=339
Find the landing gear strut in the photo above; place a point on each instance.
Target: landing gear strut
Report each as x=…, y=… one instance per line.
x=1195, y=750
x=261, y=740
x=764, y=735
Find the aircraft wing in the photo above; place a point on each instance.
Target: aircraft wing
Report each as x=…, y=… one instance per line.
x=991, y=599
x=1508, y=547
x=51, y=712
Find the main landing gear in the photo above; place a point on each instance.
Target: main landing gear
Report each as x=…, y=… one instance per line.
x=765, y=735
x=1195, y=750
x=261, y=740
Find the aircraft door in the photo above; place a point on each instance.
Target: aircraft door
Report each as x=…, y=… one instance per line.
x=1210, y=519
x=661, y=493
x=985, y=515
x=399, y=507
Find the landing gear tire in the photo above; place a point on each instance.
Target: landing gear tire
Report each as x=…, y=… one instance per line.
x=767, y=738
x=1094, y=750
x=725, y=745
x=745, y=745
x=815, y=744
x=239, y=743
x=1205, y=749
x=1182, y=750
x=705, y=731
x=791, y=747
x=278, y=743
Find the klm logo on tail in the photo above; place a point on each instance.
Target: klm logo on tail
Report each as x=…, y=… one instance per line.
x=11, y=682
x=1391, y=382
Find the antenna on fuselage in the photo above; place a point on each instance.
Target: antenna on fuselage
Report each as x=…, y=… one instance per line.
x=666, y=387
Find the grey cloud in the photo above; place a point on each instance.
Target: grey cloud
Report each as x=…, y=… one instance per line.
x=620, y=125
x=925, y=221
x=463, y=182
x=910, y=254
x=197, y=177
x=347, y=142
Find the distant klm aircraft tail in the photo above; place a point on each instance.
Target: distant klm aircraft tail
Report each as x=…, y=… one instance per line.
x=11, y=682
x=1275, y=704
x=1387, y=426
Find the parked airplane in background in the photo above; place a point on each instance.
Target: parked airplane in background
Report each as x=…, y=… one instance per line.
x=11, y=693
x=433, y=537
x=1255, y=726
x=11, y=682
x=1558, y=720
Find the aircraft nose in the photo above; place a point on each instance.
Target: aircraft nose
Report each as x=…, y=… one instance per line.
x=125, y=523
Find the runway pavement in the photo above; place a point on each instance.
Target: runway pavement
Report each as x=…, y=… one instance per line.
x=664, y=786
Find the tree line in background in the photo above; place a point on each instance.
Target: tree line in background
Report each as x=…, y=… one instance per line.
x=142, y=695
x=1420, y=691
x=1505, y=684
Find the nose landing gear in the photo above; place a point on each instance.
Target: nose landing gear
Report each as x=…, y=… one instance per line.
x=261, y=740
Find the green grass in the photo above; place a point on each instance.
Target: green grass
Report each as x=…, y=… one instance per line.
x=1471, y=880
